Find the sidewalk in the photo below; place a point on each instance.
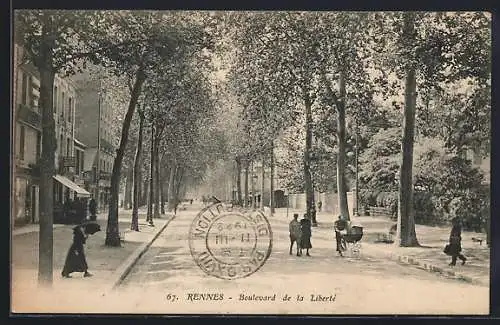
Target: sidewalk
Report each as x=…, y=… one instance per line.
x=429, y=256
x=123, y=215
x=107, y=264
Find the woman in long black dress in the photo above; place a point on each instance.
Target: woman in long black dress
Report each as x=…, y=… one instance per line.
x=455, y=246
x=305, y=240
x=75, y=260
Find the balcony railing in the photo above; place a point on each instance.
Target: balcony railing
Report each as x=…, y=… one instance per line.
x=68, y=161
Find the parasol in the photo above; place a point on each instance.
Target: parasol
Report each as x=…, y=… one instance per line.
x=91, y=227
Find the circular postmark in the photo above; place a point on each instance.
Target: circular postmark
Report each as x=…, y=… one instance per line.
x=230, y=244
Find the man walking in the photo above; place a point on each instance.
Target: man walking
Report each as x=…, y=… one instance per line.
x=295, y=233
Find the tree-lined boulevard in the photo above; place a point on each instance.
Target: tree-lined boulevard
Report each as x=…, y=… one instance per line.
x=386, y=105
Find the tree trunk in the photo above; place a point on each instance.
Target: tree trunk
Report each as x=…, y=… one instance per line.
x=341, y=182
x=156, y=213
x=262, y=184
x=47, y=159
x=178, y=184
x=247, y=163
x=171, y=188
x=161, y=189
x=238, y=181
x=137, y=179
x=308, y=184
x=167, y=190
x=149, y=216
x=112, y=231
x=406, y=234
x=127, y=202
x=145, y=192
x=162, y=198
x=140, y=184
x=252, y=186
x=271, y=196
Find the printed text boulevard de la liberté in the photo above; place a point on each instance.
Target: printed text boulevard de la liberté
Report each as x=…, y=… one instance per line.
x=244, y=297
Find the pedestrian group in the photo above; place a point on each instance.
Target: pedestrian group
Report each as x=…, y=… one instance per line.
x=300, y=234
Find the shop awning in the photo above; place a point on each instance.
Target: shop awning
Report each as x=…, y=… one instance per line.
x=72, y=186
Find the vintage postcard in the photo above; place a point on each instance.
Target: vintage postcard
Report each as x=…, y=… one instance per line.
x=250, y=162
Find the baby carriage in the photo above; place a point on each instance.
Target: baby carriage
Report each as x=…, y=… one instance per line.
x=350, y=240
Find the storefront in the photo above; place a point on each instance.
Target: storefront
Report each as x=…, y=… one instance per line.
x=26, y=203
x=70, y=201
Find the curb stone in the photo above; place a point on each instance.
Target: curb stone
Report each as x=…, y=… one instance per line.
x=408, y=260
x=124, y=269
x=433, y=268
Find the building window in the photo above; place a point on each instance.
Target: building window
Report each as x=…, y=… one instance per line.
x=34, y=98
x=24, y=89
x=82, y=159
x=70, y=106
x=61, y=145
x=38, y=145
x=55, y=99
x=77, y=165
x=68, y=146
x=62, y=106
x=31, y=97
x=21, y=142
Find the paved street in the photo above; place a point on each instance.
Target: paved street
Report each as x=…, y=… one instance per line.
x=166, y=280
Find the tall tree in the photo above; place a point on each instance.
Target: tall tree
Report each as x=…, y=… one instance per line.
x=406, y=217
x=434, y=51
x=137, y=180
x=149, y=215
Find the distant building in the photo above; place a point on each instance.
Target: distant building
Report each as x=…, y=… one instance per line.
x=27, y=132
x=65, y=103
x=94, y=128
x=27, y=136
